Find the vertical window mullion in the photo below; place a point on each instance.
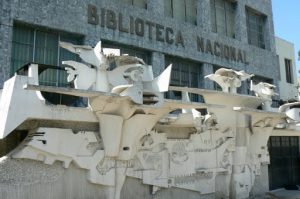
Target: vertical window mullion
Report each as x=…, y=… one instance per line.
x=215, y=18
x=225, y=15
x=180, y=74
x=34, y=45
x=172, y=9
x=45, y=48
x=215, y=15
x=256, y=29
x=185, y=17
x=190, y=76
x=58, y=58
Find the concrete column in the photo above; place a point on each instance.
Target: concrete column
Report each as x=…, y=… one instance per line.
x=269, y=32
x=158, y=63
x=241, y=22
x=6, y=29
x=5, y=52
x=261, y=183
x=206, y=69
x=203, y=15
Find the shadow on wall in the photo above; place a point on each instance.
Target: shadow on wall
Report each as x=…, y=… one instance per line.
x=11, y=142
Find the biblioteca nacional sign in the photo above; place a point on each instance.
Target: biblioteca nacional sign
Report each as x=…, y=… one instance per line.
x=110, y=19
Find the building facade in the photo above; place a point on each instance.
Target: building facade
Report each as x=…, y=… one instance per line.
x=198, y=37
x=288, y=72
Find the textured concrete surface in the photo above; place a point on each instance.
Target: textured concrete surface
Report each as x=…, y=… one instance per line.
x=27, y=179
x=261, y=183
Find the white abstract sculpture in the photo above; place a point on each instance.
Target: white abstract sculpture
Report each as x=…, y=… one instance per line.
x=265, y=91
x=131, y=77
x=90, y=55
x=136, y=134
x=229, y=79
x=292, y=112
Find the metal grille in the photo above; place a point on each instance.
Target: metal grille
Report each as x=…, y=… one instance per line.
x=223, y=17
x=284, y=168
x=256, y=29
x=40, y=46
x=184, y=73
x=37, y=45
x=182, y=10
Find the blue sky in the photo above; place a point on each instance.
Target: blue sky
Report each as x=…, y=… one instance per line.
x=286, y=16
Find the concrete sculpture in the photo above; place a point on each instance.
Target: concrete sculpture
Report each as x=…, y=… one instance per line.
x=229, y=79
x=264, y=90
x=129, y=129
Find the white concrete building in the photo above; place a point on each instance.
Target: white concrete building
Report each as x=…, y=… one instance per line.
x=288, y=73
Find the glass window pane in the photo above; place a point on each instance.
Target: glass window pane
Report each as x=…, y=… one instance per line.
x=46, y=48
x=40, y=43
x=51, y=49
x=213, y=16
x=220, y=17
x=223, y=17
x=179, y=10
x=184, y=73
x=255, y=29
x=168, y=8
x=127, y=1
x=22, y=47
x=30, y=44
x=48, y=77
x=191, y=11
x=230, y=19
x=140, y=3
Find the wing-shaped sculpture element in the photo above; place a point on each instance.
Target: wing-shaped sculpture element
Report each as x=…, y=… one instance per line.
x=263, y=89
x=161, y=82
x=90, y=55
x=229, y=79
x=82, y=75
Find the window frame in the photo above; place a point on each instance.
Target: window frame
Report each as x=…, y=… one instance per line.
x=132, y=2
x=32, y=32
x=288, y=71
x=186, y=20
x=256, y=31
x=184, y=65
x=226, y=9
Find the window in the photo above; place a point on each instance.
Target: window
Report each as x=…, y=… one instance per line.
x=223, y=17
x=217, y=87
x=36, y=45
x=284, y=161
x=184, y=73
x=137, y=3
x=256, y=29
x=288, y=71
x=182, y=10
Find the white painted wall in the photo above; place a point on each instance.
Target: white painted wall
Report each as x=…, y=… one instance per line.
x=286, y=50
